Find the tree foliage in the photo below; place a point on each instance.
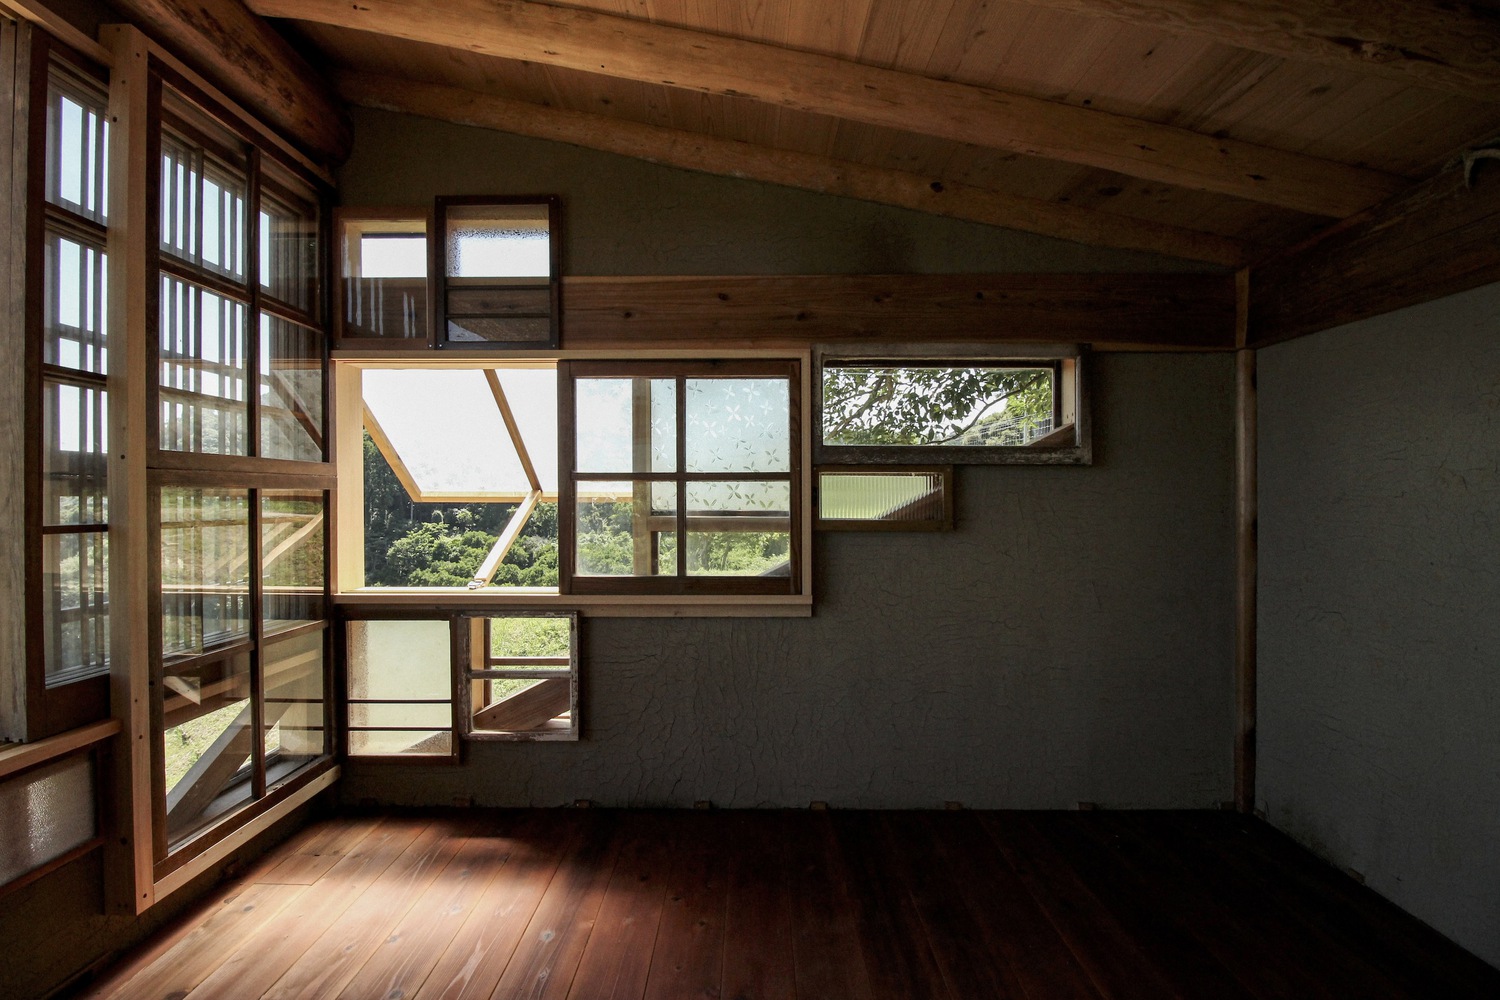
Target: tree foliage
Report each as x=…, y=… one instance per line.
x=934, y=406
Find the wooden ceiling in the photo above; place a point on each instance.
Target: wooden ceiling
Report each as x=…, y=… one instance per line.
x=1216, y=131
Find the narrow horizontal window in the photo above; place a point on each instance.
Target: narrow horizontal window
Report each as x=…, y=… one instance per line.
x=885, y=498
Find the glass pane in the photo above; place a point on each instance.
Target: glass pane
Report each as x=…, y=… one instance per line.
x=73, y=314
x=626, y=424
x=739, y=528
x=203, y=371
x=77, y=145
x=626, y=529
x=400, y=661
x=205, y=569
x=498, y=241
x=738, y=425
x=530, y=635
x=202, y=208
x=446, y=430
x=385, y=743
x=207, y=741
x=44, y=814
x=75, y=459
x=880, y=496
x=291, y=391
x=289, y=252
x=936, y=405
x=403, y=715
x=75, y=606
x=292, y=559
x=296, y=711
x=384, y=273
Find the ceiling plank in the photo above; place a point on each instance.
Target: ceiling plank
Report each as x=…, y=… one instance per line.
x=1109, y=311
x=729, y=157
x=1437, y=239
x=257, y=67
x=674, y=57
x=1453, y=47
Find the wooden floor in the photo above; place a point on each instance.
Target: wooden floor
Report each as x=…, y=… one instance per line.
x=590, y=903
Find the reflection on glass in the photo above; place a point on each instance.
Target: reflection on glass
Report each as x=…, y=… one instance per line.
x=498, y=241
x=75, y=605
x=740, y=528
x=207, y=740
x=383, y=267
x=289, y=253
x=202, y=208
x=291, y=391
x=738, y=425
x=75, y=303
x=626, y=424
x=296, y=712
x=291, y=553
x=203, y=371
x=626, y=529
x=77, y=145
x=400, y=688
x=205, y=569
x=74, y=454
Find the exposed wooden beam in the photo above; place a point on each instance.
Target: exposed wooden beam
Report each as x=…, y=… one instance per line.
x=729, y=157
x=1454, y=47
x=1121, y=311
x=242, y=53
x=1435, y=240
x=635, y=49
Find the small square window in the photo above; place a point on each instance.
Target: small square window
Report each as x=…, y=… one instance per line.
x=520, y=679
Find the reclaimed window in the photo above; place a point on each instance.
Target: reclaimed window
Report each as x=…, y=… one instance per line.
x=381, y=292
x=520, y=680
x=497, y=273
x=885, y=498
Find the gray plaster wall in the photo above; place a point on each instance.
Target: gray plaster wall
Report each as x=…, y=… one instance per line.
x=1071, y=641
x=1379, y=715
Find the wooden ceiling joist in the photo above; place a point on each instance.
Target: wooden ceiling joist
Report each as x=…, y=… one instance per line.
x=1454, y=47
x=729, y=157
x=634, y=49
x=256, y=66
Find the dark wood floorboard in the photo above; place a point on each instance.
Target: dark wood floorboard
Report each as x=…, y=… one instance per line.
x=593, y=904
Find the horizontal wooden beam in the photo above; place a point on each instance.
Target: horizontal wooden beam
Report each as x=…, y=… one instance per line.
x=1454, y=47
x=257, y=67
x=1120, y=311
x=732, y=158
x=635, y=49
x=1438, y=239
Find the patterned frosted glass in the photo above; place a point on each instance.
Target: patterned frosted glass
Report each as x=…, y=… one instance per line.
x=498, y=241
x=291, y=391
x=205, y=569
x=607, y=411
x=740, y=497
x=738, y=425
x=44, y=814
x=203, y=371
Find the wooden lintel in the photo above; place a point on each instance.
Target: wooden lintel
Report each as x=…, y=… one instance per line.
x=255, y=65
x=1454, y=47
x=1121, y=311
x=636, y=49
x=825, y=175
x=1437, y=239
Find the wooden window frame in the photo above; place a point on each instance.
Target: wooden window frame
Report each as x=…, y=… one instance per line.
x=457, y=652
x=681, y=584
x=473, y=665
x=343, y=219
x=1069, y=444
x=437, y=270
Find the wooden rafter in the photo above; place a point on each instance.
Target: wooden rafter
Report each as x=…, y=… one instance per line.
x=1453, y=47
x=255, y=65
x=634, y=49
x=825, y=175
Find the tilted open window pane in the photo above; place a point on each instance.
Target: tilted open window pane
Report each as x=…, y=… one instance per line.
x=499, y=273
x=203, y=371
x=400, y=689
x=207, y=741
x=521, y=679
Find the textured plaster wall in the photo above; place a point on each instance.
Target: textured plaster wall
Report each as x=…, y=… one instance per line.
x=1379, y=708
x=1070, y=642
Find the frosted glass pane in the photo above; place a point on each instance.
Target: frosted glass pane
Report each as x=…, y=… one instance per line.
x=607, y=411
x=498, y=241
x=44, y=814
x=880, y=496
x=738, y=425
x=369, y=743
x=400, y=660
x=420, y=715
